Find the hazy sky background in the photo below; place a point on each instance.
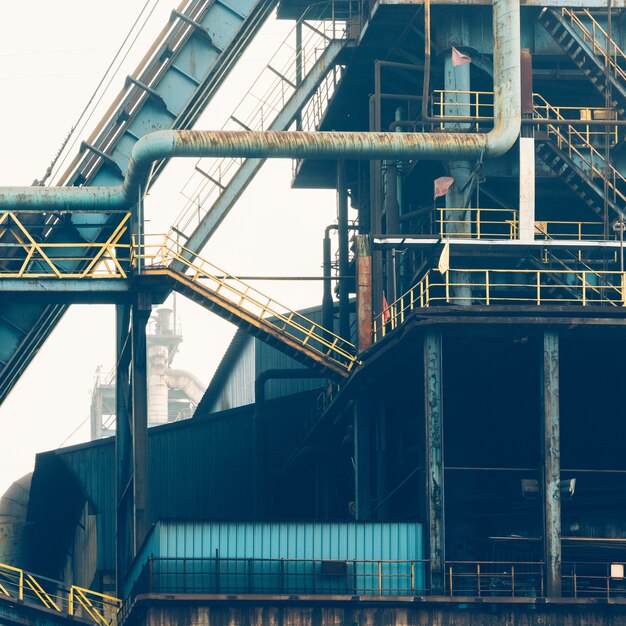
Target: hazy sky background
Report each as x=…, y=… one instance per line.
x=52, y=56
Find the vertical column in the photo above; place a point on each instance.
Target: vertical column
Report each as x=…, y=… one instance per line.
x=551, y=464
x=362, y=456
x=363, y=292
x=459, y=197
x=131, y=432
x=139, y=382
x=123, y=446
x=327, y=297
x=433, y=414
x=526, y=188
x=526, y=230
x=343, y=232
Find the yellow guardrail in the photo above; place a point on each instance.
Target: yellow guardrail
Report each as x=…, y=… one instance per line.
x=26, y=254
x=477, y=108
x=597, y=37
x=17, y=584
x=462, y=104
x=570, y=141
x=490, y=223
x=159, y=251
x=504, y=286
x=475, y=223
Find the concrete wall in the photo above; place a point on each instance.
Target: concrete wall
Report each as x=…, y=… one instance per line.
x=330, y=613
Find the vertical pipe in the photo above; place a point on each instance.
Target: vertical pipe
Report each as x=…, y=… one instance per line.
x=392, y=219
x=362, y=456
x=551, y=463
x=327, y=297
x=344, y=262
x=363, y=292
x=433, y=414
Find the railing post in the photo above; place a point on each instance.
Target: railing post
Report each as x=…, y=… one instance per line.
x=487, y=283
x=380, y=578
x=478, y=577
x=451, y=578
x=20, y=592
x=512, y=580
x=538, y=288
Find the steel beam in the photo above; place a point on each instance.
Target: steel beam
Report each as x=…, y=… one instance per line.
x=433, y=418
x=551, y=464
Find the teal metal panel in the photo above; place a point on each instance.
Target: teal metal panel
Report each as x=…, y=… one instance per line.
x=284, y=557
x=292, y=540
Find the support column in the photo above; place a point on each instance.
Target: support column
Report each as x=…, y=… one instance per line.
x=131, y=432
x=458, y=198
x=551, y=464
x=344, y=263
x=526, y=230
x=363, y=292
x=433, y=414
x=362, y=456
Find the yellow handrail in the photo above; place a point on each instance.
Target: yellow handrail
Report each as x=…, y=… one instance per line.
x=47, y=260
x=54, y=595
x=611, y=54
x=307, y=333
x=504, y=286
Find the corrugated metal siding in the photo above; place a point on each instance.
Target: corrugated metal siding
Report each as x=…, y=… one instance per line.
x=198, y=469
x=268, y=358
x=95, y=469
x=292, y=540
x=238, y=388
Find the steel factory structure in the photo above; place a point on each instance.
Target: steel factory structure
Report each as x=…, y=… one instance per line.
x=441, y=439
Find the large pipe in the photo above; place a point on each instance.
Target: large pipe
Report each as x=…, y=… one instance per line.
x=307, y=145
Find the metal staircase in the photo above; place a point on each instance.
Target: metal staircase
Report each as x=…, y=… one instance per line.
x=292, y=77
x=20, y=590
x=176, y=79
x=569, y=154
x=591, y=49
x=240, y=303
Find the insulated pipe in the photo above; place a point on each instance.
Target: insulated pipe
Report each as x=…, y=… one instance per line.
x=307, y=145
x=187, y=382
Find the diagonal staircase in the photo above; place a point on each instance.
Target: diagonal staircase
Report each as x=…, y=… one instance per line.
x=176, y=79
x=249, y=309
x=570, y=155
x=591, y=49
x=290, y=79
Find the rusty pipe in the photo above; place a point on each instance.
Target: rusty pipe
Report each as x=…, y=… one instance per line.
x=306, y=145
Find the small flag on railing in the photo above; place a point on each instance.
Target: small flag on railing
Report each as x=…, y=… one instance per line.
x=442, y=185
x=458, y=58
x=386, y=312
x=444, y=260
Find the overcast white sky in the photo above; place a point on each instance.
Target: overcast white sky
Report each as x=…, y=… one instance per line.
x=52, y=56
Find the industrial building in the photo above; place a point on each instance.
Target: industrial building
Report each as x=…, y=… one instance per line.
x=440, y=440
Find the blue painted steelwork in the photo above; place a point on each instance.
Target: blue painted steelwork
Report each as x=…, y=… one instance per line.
x=178, y=77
